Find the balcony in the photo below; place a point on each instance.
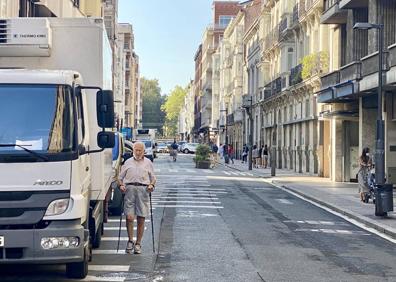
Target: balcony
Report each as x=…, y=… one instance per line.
x=370, y=63
x=273, y=88
x=295, y=15
x=295, y=75
x=352, y=71
x=333, y=14
x=272, y=38
x=285, y=24
x=350, y=4
x=330, y=79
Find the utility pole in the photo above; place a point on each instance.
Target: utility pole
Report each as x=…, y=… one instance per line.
x=248, y=105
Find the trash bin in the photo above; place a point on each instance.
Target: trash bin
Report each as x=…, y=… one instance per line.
x=383, y=199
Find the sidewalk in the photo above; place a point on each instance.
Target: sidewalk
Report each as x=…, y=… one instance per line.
x=340, y=197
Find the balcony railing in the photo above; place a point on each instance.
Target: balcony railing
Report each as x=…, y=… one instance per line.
x=273, y=88
x=272, y=37
x=352, y=71
x=295, y=75
x=330, y=79
x=330, y=3
x=295, y=14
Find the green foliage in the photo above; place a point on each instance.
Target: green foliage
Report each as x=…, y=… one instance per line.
x=202, y=153
x=172, y=107
x=152, y=115
x=314, y=64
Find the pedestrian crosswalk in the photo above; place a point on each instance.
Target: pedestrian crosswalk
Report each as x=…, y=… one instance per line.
x=188, y=171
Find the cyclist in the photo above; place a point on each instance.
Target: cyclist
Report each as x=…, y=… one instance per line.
x=173, y=151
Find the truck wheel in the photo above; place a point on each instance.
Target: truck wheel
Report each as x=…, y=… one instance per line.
x=98, y=237
x=78, y=270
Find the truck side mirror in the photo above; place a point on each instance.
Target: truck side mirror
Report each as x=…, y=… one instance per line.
x=105, y=109
x=106, y=139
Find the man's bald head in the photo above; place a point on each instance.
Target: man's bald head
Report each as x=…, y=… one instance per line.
x=138, y=150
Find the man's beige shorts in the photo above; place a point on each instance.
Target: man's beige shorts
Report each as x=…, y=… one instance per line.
x=136, y=201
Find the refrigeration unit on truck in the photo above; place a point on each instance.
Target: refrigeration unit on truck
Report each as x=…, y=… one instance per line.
x=55, y=158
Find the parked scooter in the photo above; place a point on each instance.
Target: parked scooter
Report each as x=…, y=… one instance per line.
x=372, y=186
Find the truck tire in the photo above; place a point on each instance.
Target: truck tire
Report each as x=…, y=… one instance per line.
x=97, y=237
x=78, y=270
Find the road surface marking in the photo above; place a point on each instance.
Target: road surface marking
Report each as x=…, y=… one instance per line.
x=334, y=231
x=116, y=238
x=193, y=188
x=94, y=267
x=100, y=278
x=116, y=228
x=118, y=219
x=206, y=194
x=184, y=198
x=284, y=201
x=225, y=172
x=184, y=206
x=186, y=202
x=121, y=251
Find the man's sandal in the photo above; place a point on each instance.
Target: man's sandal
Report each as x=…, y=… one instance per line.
x=130, y=247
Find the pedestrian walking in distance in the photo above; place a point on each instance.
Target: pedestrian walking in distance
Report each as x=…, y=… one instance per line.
x=265, y=156
x=137, y=181
x=365, y=163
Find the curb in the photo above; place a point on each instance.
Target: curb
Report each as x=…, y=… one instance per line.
x=389, y=231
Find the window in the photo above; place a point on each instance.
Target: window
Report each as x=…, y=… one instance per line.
x=225, y=20
x=80, y=118
x=394, y=106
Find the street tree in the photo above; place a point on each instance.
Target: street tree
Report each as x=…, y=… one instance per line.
x=172, y=107
x=152, y=115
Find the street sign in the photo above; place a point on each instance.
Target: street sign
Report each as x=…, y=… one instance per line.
x=1, y=241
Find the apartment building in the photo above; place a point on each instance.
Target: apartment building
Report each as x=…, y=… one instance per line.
x=50, y=8
x=186, y=117
x=227, y=99
x=131, y=84
x=294, y=56
x=223, y=13
x=348, y=93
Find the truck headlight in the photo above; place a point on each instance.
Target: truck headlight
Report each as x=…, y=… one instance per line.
x=49, y=243
x=57, y=207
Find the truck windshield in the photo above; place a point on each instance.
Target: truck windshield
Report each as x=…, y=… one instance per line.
x=36, y=117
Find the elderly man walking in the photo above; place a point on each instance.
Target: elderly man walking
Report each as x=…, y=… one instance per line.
x=137, y=180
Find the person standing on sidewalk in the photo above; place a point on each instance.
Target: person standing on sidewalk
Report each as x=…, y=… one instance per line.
x=259, y=154
x=221, y=150
x=136, y=180
x=265, y=156
x=245, y=151
x=231, y=153
x=254, y=156
x=215, y=150
x=365, y=163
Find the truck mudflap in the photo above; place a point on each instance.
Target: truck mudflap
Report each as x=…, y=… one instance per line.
x=26, y=246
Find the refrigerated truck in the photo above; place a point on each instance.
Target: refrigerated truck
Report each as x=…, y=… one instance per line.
x=56, y=122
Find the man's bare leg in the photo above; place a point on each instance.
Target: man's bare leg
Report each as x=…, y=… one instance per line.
x=140, y=229
x=129, y=226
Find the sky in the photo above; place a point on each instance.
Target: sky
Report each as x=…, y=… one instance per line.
x=167, y=36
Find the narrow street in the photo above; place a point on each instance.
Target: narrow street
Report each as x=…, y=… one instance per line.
x=224, y=225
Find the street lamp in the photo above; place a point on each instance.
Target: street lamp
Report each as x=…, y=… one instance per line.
x=225, y=151
x=380, y=208
x=247, y=104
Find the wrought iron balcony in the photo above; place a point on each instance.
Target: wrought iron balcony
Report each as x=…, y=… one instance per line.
x=295, y=75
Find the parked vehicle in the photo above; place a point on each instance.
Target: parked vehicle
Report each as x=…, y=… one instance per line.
x=162, y=148
x=190, y=148
x=55, y=156
x=180, y=144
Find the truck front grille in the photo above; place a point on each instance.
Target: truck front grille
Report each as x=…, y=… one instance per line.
x=3, y=31
x=11, y=253
x=26, y=208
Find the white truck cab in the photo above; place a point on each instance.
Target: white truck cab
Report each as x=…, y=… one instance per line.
x=56, y=121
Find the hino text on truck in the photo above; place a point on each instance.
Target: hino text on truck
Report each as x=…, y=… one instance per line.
x=55, y=161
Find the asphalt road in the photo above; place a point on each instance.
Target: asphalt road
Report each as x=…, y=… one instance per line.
x=224, y=225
